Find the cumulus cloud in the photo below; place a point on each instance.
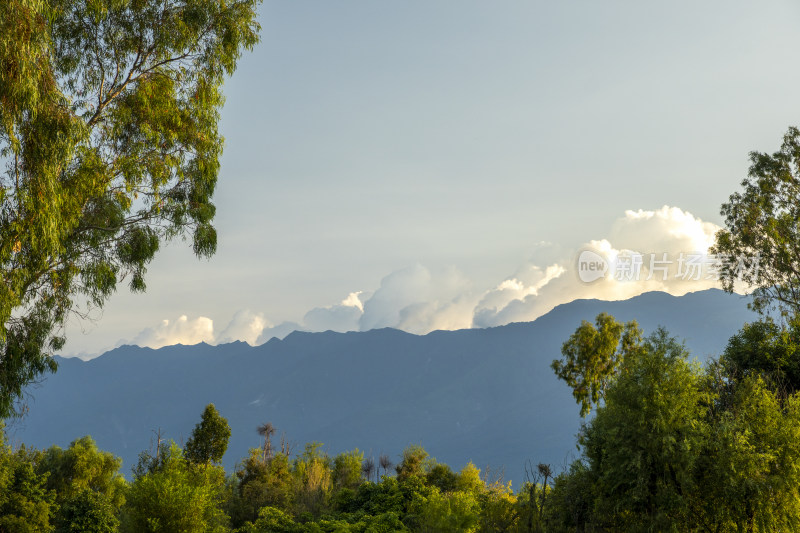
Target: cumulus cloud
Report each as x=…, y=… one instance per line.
x=664, y=243
x=416, y=300
x=341, y=317
x=279, y=331
x=245, y=326
x=524, y=285
x=180, y=331
x=419, y=300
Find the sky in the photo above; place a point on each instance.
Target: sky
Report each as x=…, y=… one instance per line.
x=441, y=165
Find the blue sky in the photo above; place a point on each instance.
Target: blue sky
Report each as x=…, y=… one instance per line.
x=440, y=156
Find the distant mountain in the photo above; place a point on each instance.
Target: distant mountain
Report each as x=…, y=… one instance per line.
x=485, y=395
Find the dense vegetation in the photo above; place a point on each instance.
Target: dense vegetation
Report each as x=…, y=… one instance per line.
x=185, y=490
x=672, y=446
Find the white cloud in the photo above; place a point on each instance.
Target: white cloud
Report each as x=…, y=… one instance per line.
x=280, y=331
x=245, y=326
x=417, y=300
x=336, y=318
x=668, y=230
x=180, y=331
x=353, y=300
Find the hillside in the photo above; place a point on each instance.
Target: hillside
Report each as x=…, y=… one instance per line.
x=485, y=395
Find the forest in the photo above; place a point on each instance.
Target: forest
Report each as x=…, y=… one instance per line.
x=668, y=444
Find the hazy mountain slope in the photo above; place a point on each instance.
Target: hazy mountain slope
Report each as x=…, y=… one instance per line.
x=486, y=395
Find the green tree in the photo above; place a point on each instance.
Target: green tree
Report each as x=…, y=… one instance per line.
x=88, y=511
x=209, y=439
x=456, y=512
x=176, y=496
x=761, y=238
x=748, y=472
x=261, y=483
x=766, y=349
x=312, y=476
x=347, y=470
x=642, y=444
x=110, y=145
x=592, y=355
x=441, y=477
x=26, y=504
x=469, y=479
x=271, y=520
x=571, y=500
x=88, y=486
x=415, y=462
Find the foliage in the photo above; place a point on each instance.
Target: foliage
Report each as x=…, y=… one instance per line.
x=347, y=470
x=415, y=462
x=260, y=483
x=441, y=477
x=766, y=349
x=110, y=145
x=448, y=512
x=641, y=443
x=761, y=223
x=679, y=448
x=26, y=504
x=89, y=489
x=88, y=511
x=591, y=356
x=177, y=496
x=209, y=439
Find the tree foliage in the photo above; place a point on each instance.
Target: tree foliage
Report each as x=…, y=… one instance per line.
x=761, y=223
x=209, y=439
x=178, y=496
x=110, y=147
x=591, y=356
x=26, y=504
x=679, y=447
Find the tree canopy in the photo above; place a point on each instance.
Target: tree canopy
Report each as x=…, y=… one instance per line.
x=110, y=147
x=760, y=244
x=209, y=439
x=591, y=356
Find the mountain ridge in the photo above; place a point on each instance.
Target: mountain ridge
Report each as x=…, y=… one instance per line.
x=485, y=395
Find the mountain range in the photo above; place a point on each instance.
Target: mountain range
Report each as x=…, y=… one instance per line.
x=483, y=395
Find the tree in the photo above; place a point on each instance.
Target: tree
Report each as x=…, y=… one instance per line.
x=469, y=479
x=176, y=497
x=88, y=487
x=110, y=147
x=415, y=462
x=452, y=512
x=347, y=469
x=571, y=500
x=83, y=466
x=312, y=473
x=209, y=439
x=385, y=462
x=748, y=471
x=441, y=477
x=88, y=512
x=642, y=444
x=766, y=349
x=267, y=430
x=368, y=468
x=26, y=504
x=592, y=355
x=261, y=484
x=761, y=239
